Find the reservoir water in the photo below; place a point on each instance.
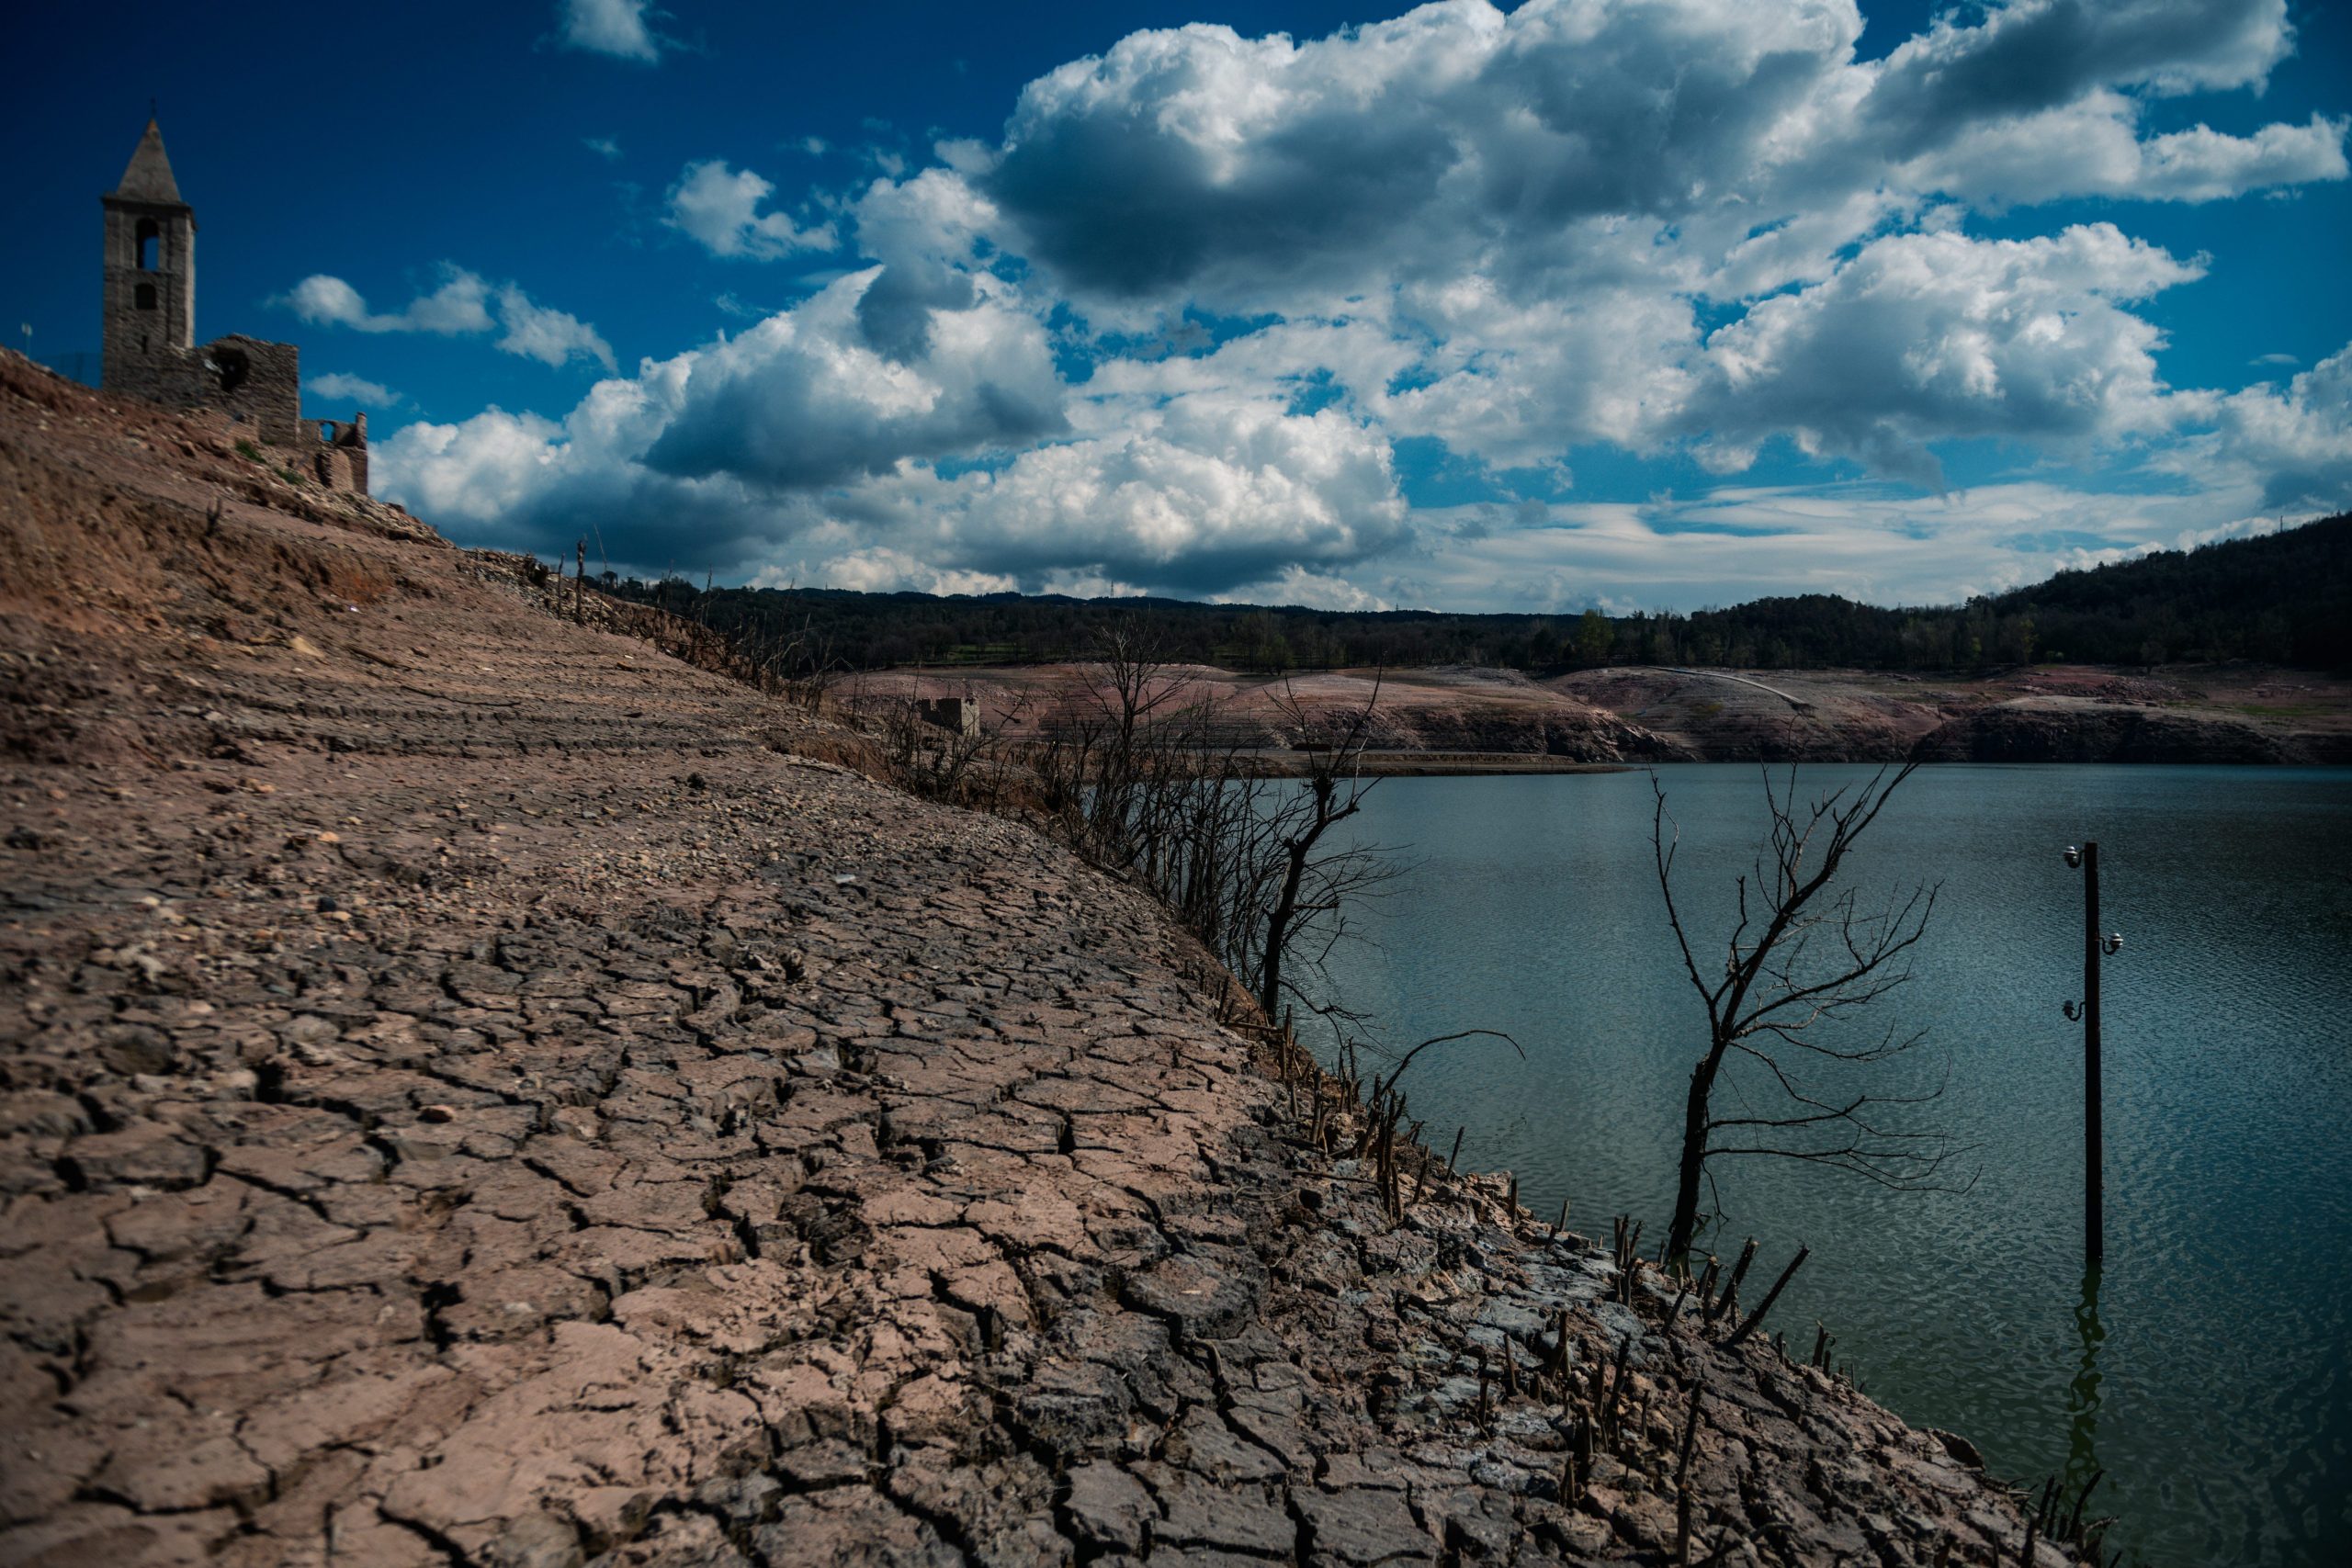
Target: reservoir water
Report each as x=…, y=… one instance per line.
x=2208, y=1370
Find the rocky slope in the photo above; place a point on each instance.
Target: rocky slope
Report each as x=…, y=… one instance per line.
x=474, y=1089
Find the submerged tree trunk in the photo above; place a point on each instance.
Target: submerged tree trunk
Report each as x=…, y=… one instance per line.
x=1299, y=849
x=1269, y=982
x=1799, y=955
x=1685, y=1228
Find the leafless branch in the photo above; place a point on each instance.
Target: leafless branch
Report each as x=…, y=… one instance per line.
x=1797, y=956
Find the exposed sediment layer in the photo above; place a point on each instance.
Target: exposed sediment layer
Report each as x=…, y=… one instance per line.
x=1492, y=720
x=1483, y=717
x=473, y=1089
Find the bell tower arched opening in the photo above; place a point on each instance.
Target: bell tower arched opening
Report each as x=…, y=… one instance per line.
x=150, y=270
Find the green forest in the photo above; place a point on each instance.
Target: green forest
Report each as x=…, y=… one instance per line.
x=2283, y=598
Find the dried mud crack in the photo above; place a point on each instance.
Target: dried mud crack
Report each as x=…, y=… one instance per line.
x=475, y=1090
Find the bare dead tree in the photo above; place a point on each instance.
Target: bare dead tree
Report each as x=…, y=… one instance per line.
x=1316, y=885
x=1800, y=956
x=1124, y=742
x=800, y=660
x=1145, y=770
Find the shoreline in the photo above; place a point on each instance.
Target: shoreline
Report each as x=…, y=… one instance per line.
x=482, y=1090
x=1511, y=721
x=1436, y=764
x=1409, y=764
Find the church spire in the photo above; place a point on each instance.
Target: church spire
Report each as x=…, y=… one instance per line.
x=149, y=176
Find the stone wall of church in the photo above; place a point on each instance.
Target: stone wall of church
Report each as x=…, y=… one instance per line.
x=253, y=383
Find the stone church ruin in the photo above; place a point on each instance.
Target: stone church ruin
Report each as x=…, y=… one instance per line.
x=150, y=350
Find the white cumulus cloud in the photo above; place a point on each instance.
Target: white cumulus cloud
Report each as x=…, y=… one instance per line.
x=880, y=570
x=2008, y=162
x=617, y=28
x=803, y=398
x=548, y=335
x=1170, y=328
x=720, y=208
x=784, y=448
x=353, y=388
x=2295, y=442
x=1265, y=174
x=1203, y=494
x=1937, y=336
x=461, y=306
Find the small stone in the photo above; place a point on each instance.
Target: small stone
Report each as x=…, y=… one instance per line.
x=1109, y=1506
x=536, y=1541
x=438, y=1113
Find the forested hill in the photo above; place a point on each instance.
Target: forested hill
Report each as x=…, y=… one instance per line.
x=2283, y=598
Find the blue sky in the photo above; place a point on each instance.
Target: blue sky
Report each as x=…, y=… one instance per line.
x=1598, y=302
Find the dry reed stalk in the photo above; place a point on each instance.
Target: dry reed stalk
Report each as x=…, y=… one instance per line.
x=1739, y=1272
x=1682, y=1479
x=1772, y=1295
x=1616, y=1388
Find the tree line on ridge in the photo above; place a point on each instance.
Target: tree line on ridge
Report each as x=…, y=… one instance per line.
x=2280, y=598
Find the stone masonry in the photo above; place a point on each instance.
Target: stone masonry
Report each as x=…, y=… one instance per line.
x=960, y=717
x=149, y=332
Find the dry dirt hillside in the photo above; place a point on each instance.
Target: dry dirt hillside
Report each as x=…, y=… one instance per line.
x=2049, y=713
x=476, y=1090
x=1474, y=720
x=1461, y=712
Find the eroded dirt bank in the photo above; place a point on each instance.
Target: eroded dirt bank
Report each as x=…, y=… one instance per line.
x=1479, y=720
x=473, y=1089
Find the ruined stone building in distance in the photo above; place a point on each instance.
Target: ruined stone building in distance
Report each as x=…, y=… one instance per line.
x=150, y=351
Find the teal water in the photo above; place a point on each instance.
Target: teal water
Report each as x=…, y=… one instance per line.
x=2206, y=1371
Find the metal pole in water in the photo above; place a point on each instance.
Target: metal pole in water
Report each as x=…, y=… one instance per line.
x=2094, y=1133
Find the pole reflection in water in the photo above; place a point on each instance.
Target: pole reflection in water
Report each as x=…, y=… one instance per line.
x=2082, y=1394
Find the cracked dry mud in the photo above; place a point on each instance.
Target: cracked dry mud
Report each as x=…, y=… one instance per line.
x=469, y=1092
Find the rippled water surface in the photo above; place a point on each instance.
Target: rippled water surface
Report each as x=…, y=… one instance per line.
x=2205, y=1370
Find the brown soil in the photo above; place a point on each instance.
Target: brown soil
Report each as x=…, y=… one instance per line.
x=1472, y=720
x=1480, y=719
x=476, y=1088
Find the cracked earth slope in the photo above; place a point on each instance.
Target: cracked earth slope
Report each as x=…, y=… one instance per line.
x=475, y=1090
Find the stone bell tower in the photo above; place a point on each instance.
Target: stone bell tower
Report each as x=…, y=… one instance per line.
x=150, y=302
x=149, y=339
